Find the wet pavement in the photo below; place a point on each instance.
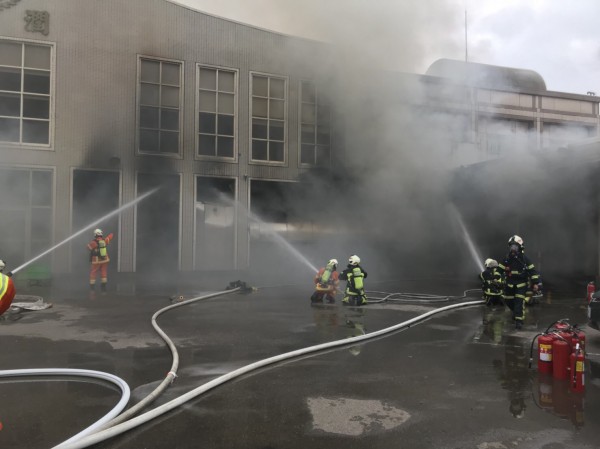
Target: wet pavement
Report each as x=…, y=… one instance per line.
x=457, y=380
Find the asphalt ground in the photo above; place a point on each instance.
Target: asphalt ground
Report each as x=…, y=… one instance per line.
x=460, y=379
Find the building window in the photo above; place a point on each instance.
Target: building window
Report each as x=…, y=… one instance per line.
x=25, y=214
x=25, y=85
x=556, y=135
x=315, y=123
x=268, y=104
x=159, y=112
x=216, y=112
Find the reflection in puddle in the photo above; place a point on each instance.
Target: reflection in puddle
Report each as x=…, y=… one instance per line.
x=515, y=375
x=331, y=325
x=555, y=397
x=525, y=385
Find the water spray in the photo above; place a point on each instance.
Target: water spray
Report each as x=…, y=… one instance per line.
x=269, y=229
x=91, y=225
x=467, y=237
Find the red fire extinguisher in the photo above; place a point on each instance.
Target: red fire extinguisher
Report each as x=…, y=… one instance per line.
x=578, y=337
x=545, y=354
x=561, y=350
x=591, y=289
x=577, y=363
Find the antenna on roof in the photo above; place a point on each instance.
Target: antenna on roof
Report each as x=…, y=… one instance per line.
x=466, y=45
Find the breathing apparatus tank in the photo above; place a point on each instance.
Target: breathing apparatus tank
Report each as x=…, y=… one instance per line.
x=102, y=249
x=357, y=278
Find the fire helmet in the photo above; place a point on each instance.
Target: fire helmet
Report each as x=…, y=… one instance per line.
x=333, y=262
x=490, y=263
x=2, y=265
x=98, y=232
x=515, y=239
x=354, y=260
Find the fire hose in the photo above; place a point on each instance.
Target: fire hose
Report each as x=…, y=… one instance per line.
x=414, y=297
x=118, y=429
x=113, y=418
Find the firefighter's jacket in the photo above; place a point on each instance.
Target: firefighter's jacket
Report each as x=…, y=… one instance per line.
x=491, y=281
x=95, y=247
x=519, y=271
x=349, y=274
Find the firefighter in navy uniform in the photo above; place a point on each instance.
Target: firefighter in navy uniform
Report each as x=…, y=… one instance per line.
x=491, y=283
x=519, y=273
x=354, y=276
x=326, y=283
x=99, y=259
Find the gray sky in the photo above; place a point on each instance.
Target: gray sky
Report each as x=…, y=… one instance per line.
x=559, y=39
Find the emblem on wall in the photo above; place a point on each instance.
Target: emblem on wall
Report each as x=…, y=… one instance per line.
x=5, y=4
x=37, y=21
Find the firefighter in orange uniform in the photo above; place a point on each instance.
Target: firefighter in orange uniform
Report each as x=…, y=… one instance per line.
x=99, y=258
x=7, y=289
x=326, y=283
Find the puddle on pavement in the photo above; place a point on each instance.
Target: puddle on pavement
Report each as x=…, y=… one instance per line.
x=354, y=417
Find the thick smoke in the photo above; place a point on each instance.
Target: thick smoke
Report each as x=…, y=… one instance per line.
x=397, y=169
x=396, y=162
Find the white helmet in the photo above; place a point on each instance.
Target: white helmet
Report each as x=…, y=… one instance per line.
x=333, y=262
x=2, y=265
x=489, y=263
x=515, y=239
x=354, y=260
x=98, y=232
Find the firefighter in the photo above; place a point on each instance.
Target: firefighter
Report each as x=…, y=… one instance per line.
x=355, y=289
x=491, y=283
x=99, y=259
x=519, y=273
x=7, y=289
x=326, y=281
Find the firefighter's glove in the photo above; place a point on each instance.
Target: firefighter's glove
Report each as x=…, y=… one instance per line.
x=9, y=274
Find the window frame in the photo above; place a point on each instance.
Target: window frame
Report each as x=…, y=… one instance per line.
x=51, y=96
x=138, y=151
x=317, y=87
x=236, y=74
x=28, y=217
x=286, y=100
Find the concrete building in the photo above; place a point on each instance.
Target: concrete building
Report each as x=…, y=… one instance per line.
x=503, y=110
x=101, y=102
